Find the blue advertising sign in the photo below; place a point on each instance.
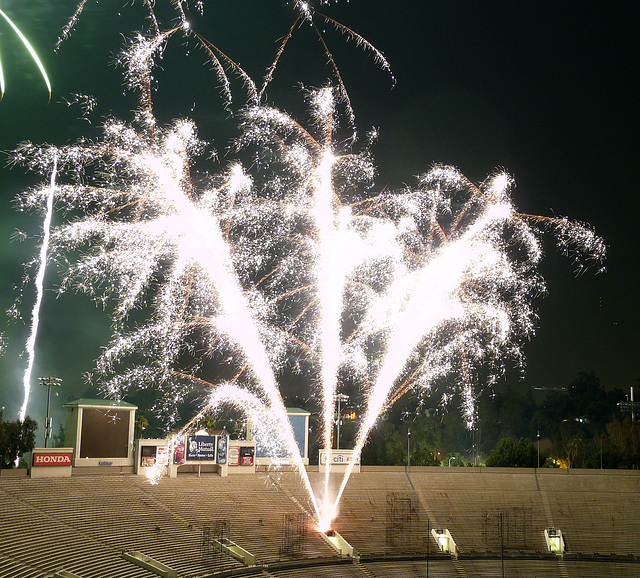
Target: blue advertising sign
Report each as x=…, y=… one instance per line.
x=222, y=449
x=201, y=448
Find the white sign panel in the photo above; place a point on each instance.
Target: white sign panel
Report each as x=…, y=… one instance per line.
x=340, y=459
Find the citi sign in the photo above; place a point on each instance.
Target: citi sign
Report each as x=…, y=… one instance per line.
x=51, y=459
x=339, y=458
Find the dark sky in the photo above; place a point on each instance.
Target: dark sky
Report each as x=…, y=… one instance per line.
x=546, y=90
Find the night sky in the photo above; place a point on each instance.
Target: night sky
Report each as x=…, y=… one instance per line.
x=546, y=90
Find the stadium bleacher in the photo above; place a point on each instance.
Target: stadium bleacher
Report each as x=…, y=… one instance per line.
x=496, y=516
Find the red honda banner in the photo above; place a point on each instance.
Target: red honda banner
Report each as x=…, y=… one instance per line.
x=52, y=459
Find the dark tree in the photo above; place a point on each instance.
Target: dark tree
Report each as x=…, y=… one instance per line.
x=385, y=446
x=509, y=454
x=58, y=438
x=509, y=413
x=16, y=439
x=140, y=425
x=621, y=444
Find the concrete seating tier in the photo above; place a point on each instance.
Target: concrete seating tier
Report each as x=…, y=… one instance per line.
x=321, y=571
x=83, y=523
x=11, y=568
x=412, y=569
x=253, y=505
x=484, y=510
x=596, y=512
x=36, y=541
x=591, y=569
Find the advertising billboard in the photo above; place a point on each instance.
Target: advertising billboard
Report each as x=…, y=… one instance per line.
x=241, y=455
x=340, y=460
x=247, y=455
x=148, y=456
x=339, y=457
x=52, y=459
x=201, y=448
x=222, y=450
x=178, y=453
x=162, y=455
x=234, y=456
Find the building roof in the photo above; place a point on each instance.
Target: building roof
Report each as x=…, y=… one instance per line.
x=297, y=411
x=85, y=402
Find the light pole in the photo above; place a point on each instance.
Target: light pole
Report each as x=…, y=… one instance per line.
x=473, y=447
x=340, y=397
x=451, y=458
x=600, y=451
x=49, y=382
x=538, y=436
x=408, y=449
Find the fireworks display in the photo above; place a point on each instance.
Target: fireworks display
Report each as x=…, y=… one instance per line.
x=288, y=261
x=35, y=314
x=31, y=51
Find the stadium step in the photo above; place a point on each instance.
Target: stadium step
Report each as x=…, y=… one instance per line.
x=365, y=571
x=457, y=564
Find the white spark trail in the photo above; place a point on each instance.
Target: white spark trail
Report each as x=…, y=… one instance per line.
x=31, y=51
x=432, y=301
x=330, y=279
x=35, y=314
x=201, y=240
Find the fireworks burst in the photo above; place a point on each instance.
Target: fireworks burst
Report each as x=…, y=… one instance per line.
x=31, y=51
x=297, y=263
x=35, y=314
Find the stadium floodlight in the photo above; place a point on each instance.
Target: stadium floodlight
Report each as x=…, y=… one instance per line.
x=340, y=397
x=49, y=382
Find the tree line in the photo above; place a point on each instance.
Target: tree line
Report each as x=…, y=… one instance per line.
x=16, y=439
x=580, y=426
